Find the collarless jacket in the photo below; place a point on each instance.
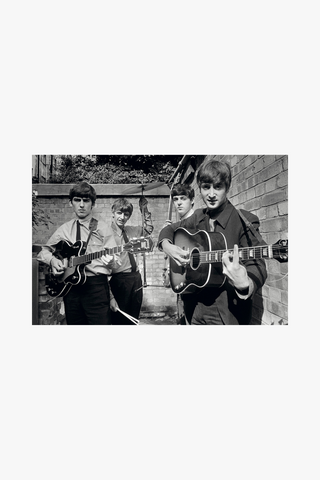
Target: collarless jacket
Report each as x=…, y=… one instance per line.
x=232, y=309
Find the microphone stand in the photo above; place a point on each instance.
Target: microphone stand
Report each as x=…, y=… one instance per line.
x=143, y=254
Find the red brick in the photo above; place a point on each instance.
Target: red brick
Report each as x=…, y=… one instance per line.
x=284, y=297
x=251, y=193
x=283, y=208
x=274, y=294
x=259, y=165
x=273, y=267
x=254, y=204
x=272, y=211
x=274, y=169
x=282, y=179
x=271, y=184
x=268, y=159
x=260, y=189
x=274, y=197
x=274, y=225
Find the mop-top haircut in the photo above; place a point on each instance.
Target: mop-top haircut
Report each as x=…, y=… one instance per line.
x=83, y=190
x=214, y=171
x=122, y=205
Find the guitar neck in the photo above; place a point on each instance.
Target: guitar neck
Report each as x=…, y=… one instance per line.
x=94, y=255
x=246, y=253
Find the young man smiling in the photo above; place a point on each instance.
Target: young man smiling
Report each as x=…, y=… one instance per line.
x=231, y=303
x=89, y=303
x=126, y=282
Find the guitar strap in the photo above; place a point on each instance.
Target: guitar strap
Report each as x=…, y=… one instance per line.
x=92, y=226
x=254, y=232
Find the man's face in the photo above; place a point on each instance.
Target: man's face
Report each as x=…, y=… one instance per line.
x=81, y=206
x=182, y=204
x=213, y=195
x=121, y=218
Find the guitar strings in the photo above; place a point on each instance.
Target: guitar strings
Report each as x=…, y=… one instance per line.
x=245, y=253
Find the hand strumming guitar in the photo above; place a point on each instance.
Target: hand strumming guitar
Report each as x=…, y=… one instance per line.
x=57, y=265
x=180, y=256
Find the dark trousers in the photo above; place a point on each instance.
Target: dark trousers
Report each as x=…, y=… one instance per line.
x=200, y=313
x=124, y=288
x=89, y=304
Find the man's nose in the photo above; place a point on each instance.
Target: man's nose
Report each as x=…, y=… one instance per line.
x=81, y=203
x=212, y=192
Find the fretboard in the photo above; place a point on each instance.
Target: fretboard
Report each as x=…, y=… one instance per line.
x=92, y=256
x=247, y=253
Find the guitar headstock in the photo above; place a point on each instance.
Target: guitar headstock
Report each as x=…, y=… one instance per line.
x=280, y=250
x=139, y=245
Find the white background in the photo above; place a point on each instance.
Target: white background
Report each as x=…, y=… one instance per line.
x=166, y=77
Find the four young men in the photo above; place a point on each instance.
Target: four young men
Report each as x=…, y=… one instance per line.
x=229, y=303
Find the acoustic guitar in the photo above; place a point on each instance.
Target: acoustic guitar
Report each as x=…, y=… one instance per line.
x=75, y=260
x=206, y=250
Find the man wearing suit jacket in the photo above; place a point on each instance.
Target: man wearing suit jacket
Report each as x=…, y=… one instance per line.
x=231, y=303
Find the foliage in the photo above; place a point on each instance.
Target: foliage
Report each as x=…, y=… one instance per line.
x=39, y=217
x=114, y=169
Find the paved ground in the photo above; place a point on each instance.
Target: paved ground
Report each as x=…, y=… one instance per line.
x=157, y=319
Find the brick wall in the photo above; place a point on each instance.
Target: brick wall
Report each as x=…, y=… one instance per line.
x=53, y=199
x=260, y=185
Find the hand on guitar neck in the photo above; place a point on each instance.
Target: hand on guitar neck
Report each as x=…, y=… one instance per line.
x=60, y=265
x=236, y=273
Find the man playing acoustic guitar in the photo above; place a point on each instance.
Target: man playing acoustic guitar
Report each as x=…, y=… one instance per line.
x=88, y=303
x=183, y=200
x=226, y=299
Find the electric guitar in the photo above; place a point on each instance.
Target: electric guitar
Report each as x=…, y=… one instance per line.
x=75, y=259
x=206, y=250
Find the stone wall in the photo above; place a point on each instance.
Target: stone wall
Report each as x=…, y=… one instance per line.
x=259, y=184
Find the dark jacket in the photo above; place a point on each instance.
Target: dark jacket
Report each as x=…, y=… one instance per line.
x=232, y=309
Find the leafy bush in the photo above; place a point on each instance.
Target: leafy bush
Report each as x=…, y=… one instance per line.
x=115, y=169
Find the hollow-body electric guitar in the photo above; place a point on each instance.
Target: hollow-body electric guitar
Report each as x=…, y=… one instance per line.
x=75, y=260
x=206, y=250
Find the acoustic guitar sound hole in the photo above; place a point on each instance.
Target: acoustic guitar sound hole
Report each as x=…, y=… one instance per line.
x=195, y=259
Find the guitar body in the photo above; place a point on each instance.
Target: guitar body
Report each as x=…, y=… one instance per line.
x=197, y=274
x=206, y=250
x=74, y=258
x=59, y=286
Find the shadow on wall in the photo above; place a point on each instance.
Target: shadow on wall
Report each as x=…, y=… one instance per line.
x=257, y=308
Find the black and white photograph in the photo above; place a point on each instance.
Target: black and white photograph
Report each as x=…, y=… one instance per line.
x=160, y=170
x=178, y=240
